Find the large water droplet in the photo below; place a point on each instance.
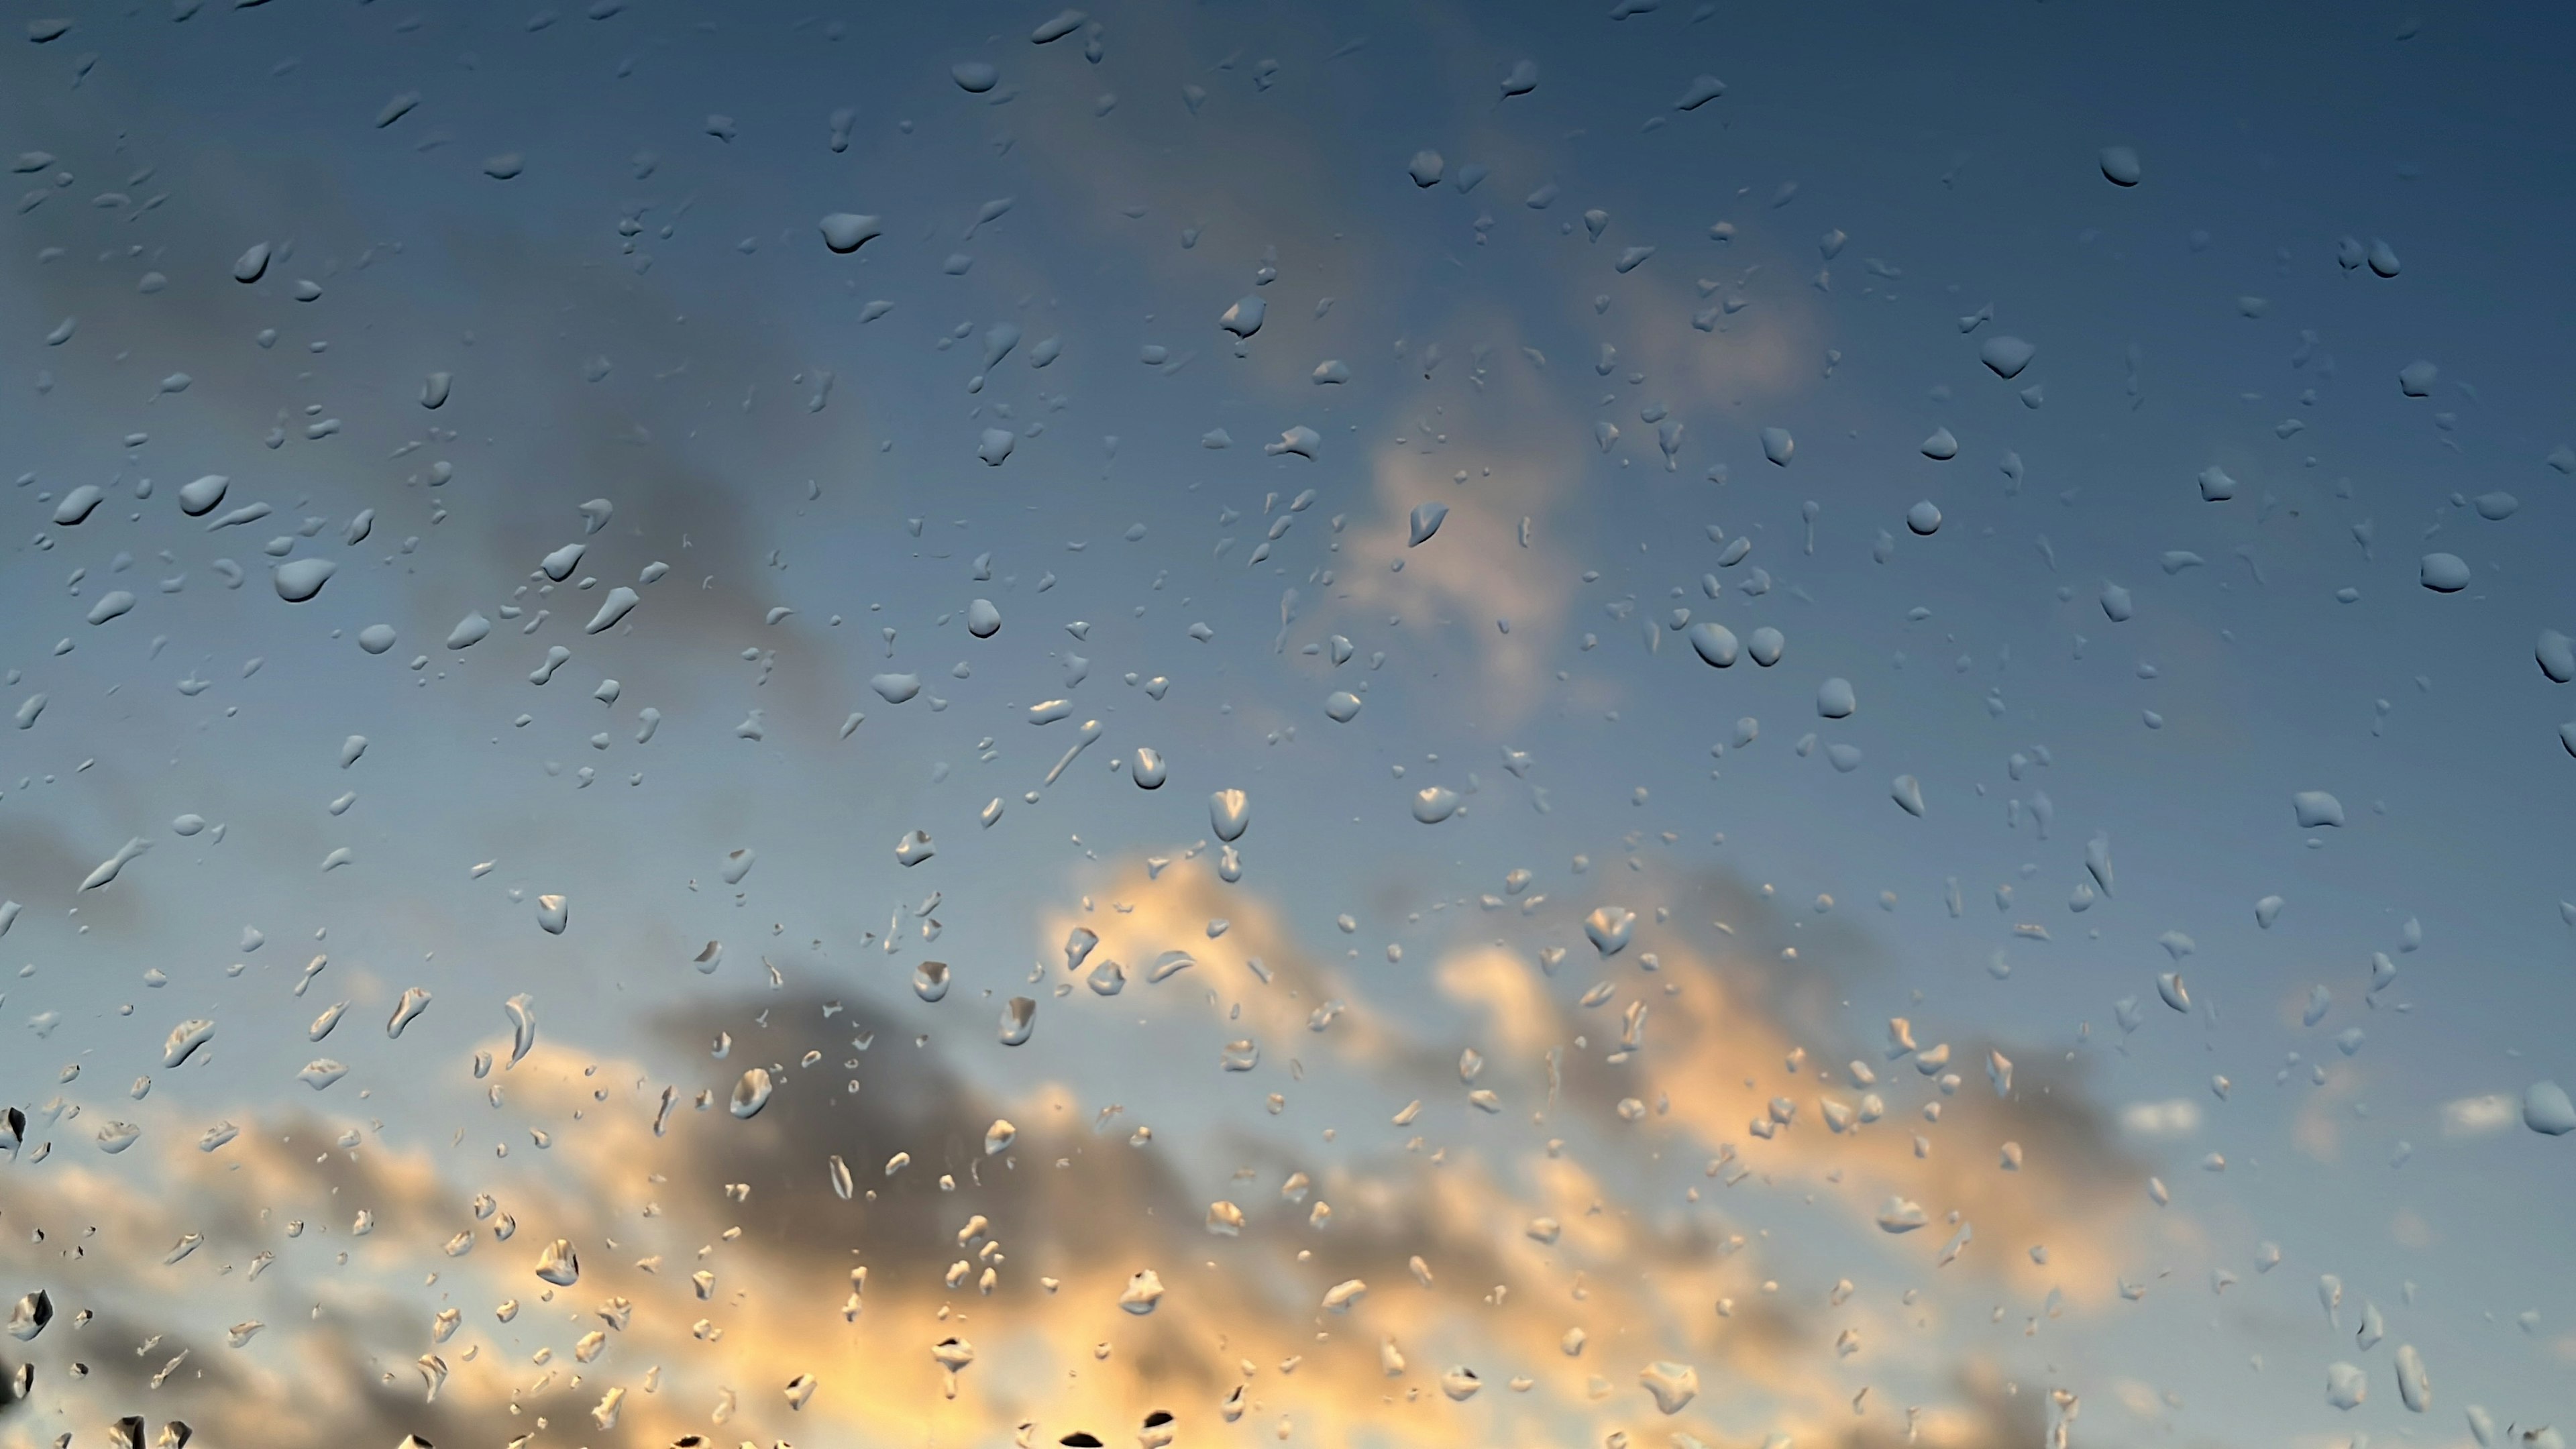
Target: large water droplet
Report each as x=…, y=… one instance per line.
x=751, y=1092
x=1229, y=813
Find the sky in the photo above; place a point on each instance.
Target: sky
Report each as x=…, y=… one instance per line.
x=655, y=692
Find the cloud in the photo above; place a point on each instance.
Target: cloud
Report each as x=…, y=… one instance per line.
x=1072, y=1209
x=2173, y=1117
x=2479, y=1116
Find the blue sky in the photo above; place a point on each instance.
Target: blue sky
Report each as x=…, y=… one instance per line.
x=645, y=313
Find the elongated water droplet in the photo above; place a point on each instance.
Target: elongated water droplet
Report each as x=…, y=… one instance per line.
x=751, y=1092
x=1229, y=814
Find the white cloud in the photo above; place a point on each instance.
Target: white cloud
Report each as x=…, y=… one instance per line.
x=2478, y=1116
x=2179, y=1117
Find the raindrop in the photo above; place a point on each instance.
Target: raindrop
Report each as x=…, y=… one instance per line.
x=1702, y=90
x=559, y=1264
x=1426, y=522
x=1229, y=813
x=846, y=232
x=1608, y=928
x=2546, y=1110
x=2444, y=573
x=930, y=980
x=1019, y=1018
x=2316, y=808
x=1673, y=1385
x=298, y=580
x=751, y=1092
x=1908, y=793
x=1143, y=1292
x=2006, y=356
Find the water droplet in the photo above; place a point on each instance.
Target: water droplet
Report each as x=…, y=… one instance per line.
x=415, y=1000
x=2443, y=573
x=1057, y=27
x=846, y=232
x=2169, y=986
x=199, y=498
x=298, y=580
x=1673, y=1385
x=1702, y=90
x=185, y=1039
x=620, y=602
x=1142, y=1293
x=1426, y=521
x=1908, y=793
x=559, y=1264
x=1245, y=317
x=30, y=1315
x=1300, y=440
x=751, y=1093
x=1229, y=813
x=1897, y=1215
x=523, y=1026
x=2006, y=356
x=2546, y=1110
x=2414, y=1386
x=1608, y=928
x=2316, y=808
x=1019, y=1018
x=930, y=980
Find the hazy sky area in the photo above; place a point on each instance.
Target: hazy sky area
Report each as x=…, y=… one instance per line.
x=1899, y=678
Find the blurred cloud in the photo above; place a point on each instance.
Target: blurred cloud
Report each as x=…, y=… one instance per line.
x=2479, y=1116
x=2177, y=1117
